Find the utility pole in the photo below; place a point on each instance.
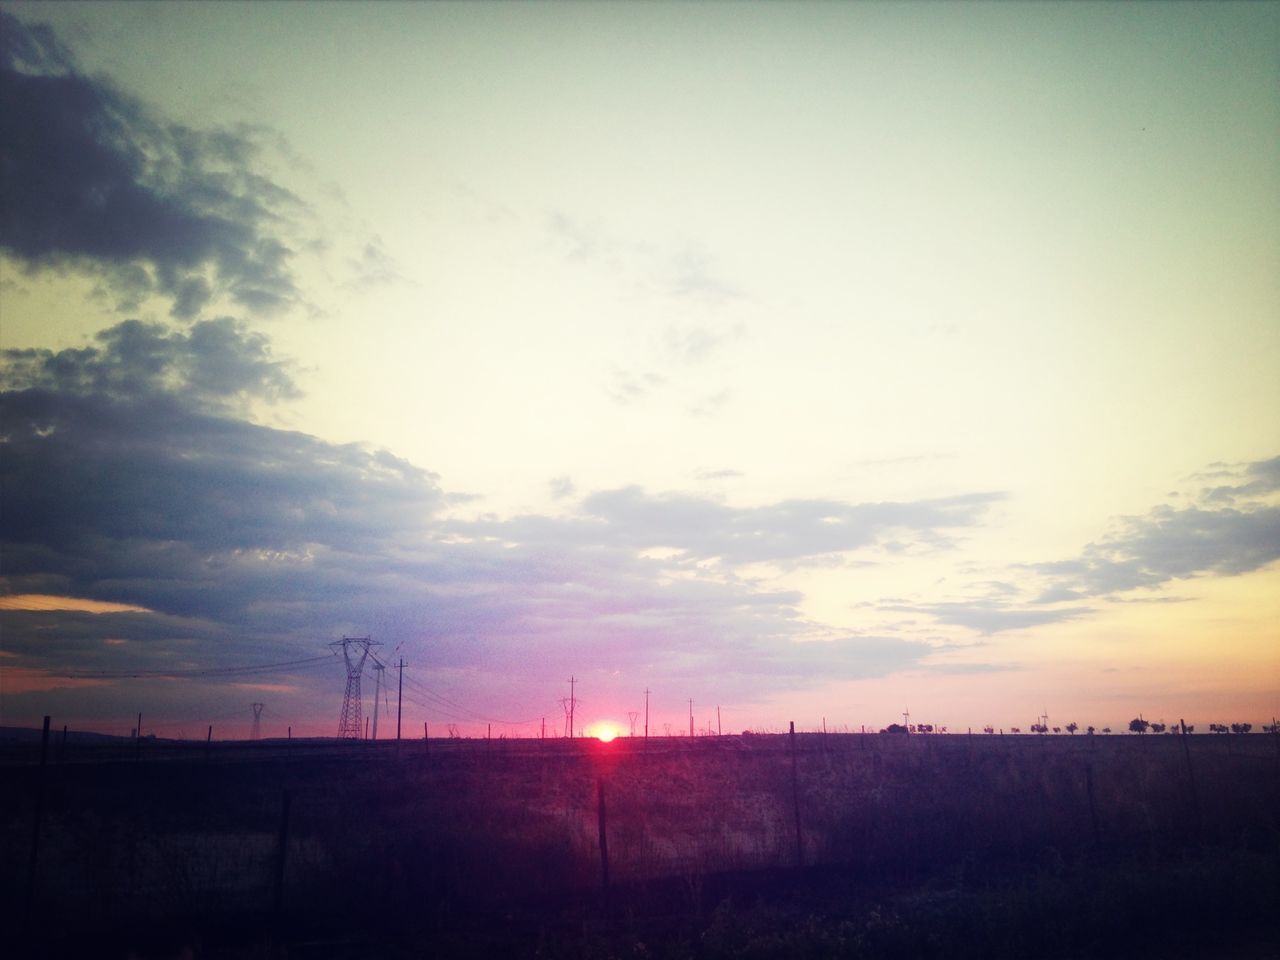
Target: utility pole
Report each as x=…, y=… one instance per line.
x=691, y=718
x=719, y=731
x=256, y=732
x=399, y=699
x=573, y=702
x=377, y=692
x=631, y=715
x=646, y=713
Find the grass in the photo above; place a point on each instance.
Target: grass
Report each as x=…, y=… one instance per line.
x=947, y=846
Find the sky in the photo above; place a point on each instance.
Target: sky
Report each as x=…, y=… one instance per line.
x=814, y=362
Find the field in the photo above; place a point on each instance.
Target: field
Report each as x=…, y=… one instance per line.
x=835, y=845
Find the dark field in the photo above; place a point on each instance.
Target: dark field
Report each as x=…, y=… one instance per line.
x=923, y=846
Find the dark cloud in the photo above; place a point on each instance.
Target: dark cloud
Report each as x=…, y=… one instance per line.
x=214, y=363
x=93, y=180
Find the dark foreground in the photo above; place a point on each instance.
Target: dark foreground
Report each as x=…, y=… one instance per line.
x=876, y=846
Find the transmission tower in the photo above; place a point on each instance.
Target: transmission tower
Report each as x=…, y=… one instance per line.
x=256, y=733
x=355, y=650
x=632, y=715
x=572, y=704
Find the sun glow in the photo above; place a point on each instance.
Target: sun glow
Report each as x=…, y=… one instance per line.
x=605, y=731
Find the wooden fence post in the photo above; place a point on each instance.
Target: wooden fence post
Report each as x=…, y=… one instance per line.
x=1191, y=777
x=795, y=796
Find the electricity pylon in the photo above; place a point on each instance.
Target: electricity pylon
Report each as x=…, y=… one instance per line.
x=355, y=650
x=256, y=733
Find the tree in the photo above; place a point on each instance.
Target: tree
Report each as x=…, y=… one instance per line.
x=988, y=729
x=1106, y=729
x=1072, y=727
x=1158, y=728
x=1090, y=730
x=1138, y=725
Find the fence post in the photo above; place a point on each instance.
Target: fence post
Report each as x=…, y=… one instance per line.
x=35, y=822
x=795, y=795
x=1191, y=777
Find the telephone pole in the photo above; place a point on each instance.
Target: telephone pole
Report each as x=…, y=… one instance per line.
x=719, y=732
x=646, y=713
x=573, y=702
x=377, y=691
x=399, y=699
x=691, y=718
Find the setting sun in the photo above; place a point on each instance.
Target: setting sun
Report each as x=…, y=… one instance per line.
x=605, y=731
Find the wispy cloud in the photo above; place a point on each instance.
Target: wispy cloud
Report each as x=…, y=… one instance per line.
x=700, y=528
x=1228, y=529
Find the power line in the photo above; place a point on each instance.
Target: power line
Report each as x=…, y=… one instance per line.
x=213, y=672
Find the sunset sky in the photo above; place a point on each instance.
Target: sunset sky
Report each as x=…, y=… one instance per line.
x=811, y=360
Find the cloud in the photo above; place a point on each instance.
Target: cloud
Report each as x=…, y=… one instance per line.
x=92, y=180
x=215, y=363
x=628, y=387
x=987, y=617
x=700, y=528
x=374, y=267
x=132, y=477
x=1232, y=529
